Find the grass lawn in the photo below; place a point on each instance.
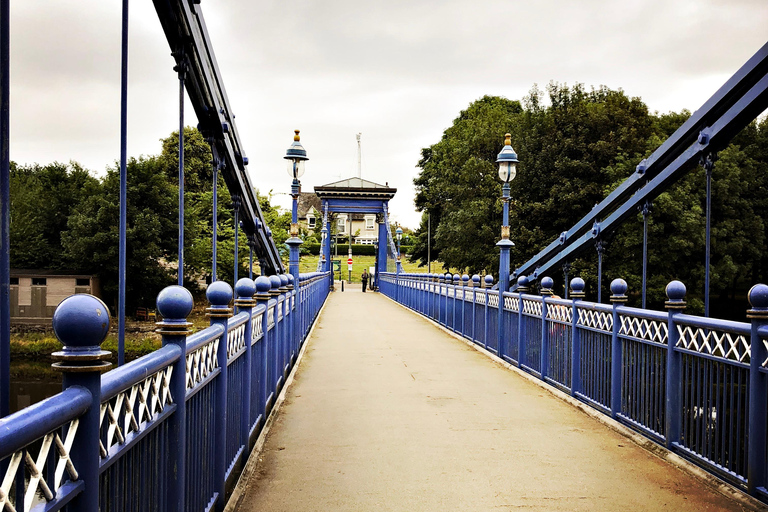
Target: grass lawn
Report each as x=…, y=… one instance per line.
x=359, y=263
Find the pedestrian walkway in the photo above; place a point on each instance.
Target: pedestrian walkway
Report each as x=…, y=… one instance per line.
x=389, y=412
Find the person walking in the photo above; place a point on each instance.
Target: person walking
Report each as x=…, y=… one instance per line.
x=364, y=277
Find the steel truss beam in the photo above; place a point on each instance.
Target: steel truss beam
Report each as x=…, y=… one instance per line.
x=187, y=35
x=737, y=103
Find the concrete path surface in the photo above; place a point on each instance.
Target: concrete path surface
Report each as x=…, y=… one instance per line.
x=389, y=412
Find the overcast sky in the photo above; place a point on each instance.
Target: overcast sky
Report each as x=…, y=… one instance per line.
x=397, y=71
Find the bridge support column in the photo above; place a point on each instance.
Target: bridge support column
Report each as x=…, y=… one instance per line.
x=383, y=245
x=219, y=294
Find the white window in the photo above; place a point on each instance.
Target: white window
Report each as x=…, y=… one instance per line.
x=341, y=223
x=370, y=223
x=310, y=222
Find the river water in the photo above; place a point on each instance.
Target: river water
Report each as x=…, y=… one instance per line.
x=26, y=391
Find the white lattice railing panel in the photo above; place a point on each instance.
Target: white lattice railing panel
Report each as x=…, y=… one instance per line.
x=35, y=468
x=765, y=363
x=479, y=298
x=644, y=329
x=598, y=320
x=127, y=411
x=512, y=303
x=271, y=318
x=257, y=328
x=727, y=345
x=559, y=312
x=493, y=301
x=531, y=307
x=201, y=363
x=235, y=341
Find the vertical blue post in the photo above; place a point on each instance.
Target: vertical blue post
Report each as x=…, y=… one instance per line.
x=81, y=322
x=675, y=304
x=546, y=291
x=618, y=297
x=286, y=328
x=709, y=163
x=294, y=243
x=566, y=271
x=382, y=256
x=488, y=285
x=263, y=285
x=456, y=284
x=181, y=68
x=577, y=294
x=219, y=294
x=504, y=245
x=251, y=244
x=123, y=189
x=244, y=290
x=274, y=339
x=295, y=315
x=236, y=208
x=5, y=211
x=600, y=251
x=522, y=287
x=174, y=304
x=646, y=213
x=215, y=223
x=464, y=289
x=758, y=299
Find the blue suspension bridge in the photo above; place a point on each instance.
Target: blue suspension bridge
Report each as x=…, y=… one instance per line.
x=175, y=429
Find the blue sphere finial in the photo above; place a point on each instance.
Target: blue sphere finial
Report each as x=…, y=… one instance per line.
x=291, y=280
x=619, y=287
x=456, y=278
x=578, y=285
x=476, y=280
x=283, y=280
x=547, y=283
x=81, y=321
x=758, y=297
x=676, y=294
x=522, y=282
x=488, y=280
x=174, y=303
x=465, y=279
x=219, y=293
x=245, y=288
x=263, y=284
x=275, y=282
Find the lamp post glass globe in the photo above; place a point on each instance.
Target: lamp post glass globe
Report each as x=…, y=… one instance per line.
x=507, y=160
x=399, y=233
x=296, y=155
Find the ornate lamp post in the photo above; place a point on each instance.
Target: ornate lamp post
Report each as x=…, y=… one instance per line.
x=507, y=160
x=296, y=156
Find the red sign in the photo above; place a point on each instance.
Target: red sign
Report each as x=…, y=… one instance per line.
x=349, y=261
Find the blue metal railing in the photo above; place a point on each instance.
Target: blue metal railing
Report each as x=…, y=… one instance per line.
x=141, y=444
x=695, y=384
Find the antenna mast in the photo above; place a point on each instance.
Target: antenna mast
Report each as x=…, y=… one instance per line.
x=359, y=157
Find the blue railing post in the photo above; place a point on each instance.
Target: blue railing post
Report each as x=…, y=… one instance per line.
x=577, y=294
x=174, y=304
x=296, y=334
x=675, y=304
x=618, y=297
x=475, y=286
x=244, y=290
x=464, y=289
x=263, y=285
x=756, y=456
x=81, y=322
x=456, y=284
x=546, y=291
x=219, y=294
x=487, y=311
x=285, y=330
x=522, y=287
x=274, y=339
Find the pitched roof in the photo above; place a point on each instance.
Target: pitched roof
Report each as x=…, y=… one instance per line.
x=356, y=187
x=307, y=200
x=356, y=183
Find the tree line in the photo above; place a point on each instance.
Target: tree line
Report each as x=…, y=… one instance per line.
x=575, y=145
x=63, y=218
